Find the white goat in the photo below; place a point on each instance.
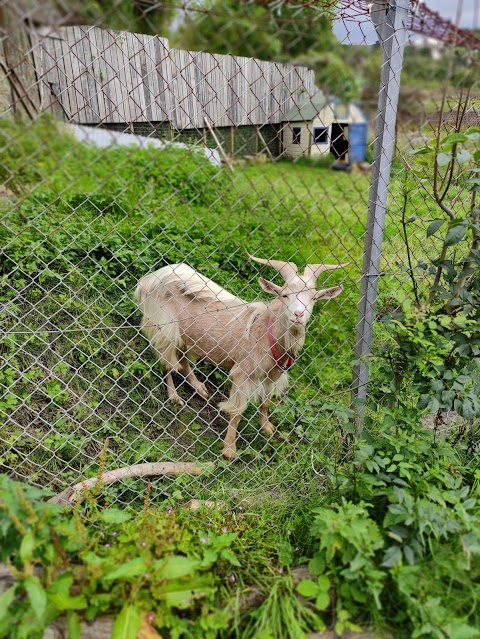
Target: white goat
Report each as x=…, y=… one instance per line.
x=187, y=315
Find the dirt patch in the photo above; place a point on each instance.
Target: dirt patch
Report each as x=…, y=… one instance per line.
x=442, y=423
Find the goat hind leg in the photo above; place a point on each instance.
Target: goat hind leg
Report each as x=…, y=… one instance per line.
x=192, y=379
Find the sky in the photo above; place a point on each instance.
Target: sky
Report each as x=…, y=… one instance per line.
x=446, y=8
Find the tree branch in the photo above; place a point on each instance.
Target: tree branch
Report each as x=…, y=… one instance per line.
x=73, y=494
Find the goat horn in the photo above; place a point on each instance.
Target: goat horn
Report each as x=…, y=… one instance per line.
x=287, y=270
x=312, y=271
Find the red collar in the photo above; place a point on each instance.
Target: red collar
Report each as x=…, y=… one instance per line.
x=274, y=348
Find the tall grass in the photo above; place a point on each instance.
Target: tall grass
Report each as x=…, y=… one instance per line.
x=81, y=226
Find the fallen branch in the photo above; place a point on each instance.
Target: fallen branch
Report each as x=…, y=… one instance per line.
x=73, y=494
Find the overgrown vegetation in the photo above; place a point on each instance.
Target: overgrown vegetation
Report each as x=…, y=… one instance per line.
x=387, y=521
x=75, y=242
x=181, y=572
x=391, y=542
x=432, y=347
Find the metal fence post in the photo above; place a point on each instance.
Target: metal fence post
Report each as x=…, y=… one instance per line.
x=390, y=20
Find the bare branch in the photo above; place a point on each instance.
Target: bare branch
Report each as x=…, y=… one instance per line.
x=72, y=495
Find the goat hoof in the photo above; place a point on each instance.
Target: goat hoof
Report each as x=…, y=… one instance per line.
x=268, y=429
x=176, y=399
x=229, y=452
x=202, y=391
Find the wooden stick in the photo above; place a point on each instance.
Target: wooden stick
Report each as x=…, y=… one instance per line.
x=269, y=153
x=220, y=148
x=73, y=494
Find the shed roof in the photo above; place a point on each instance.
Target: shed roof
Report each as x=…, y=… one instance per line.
x=308, y=110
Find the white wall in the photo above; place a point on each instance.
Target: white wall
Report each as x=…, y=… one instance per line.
x=296, y=150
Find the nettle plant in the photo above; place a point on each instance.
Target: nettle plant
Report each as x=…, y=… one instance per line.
x=435, y=351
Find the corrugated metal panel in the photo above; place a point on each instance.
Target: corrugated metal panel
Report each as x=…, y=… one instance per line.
x=105, y=76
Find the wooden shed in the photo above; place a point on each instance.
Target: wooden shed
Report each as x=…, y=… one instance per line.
x=136, y=83
x=323, y=125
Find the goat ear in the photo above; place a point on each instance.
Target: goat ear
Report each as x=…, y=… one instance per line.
x=269, y=287
x=328, y=293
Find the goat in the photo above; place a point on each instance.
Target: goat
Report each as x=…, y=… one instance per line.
x=187, y=315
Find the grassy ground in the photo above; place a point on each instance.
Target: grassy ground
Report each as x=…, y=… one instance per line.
x=81, y=227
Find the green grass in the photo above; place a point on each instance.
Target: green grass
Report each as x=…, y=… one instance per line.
x=82, y=227
x=79, y=229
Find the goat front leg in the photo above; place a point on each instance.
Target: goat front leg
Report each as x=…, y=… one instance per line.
x=265, y=423
x=235, y=407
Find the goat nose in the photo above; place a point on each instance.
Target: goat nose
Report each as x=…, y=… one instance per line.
x=299, y=314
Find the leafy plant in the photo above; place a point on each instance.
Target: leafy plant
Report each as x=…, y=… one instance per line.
x=344, y=564
x=432, y=344
x=405, y=534
x=109, y=561
x=170, y=569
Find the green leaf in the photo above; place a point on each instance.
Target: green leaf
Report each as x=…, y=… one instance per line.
x=443, y=159
x=473, y=136
x=228, y=555
x=175, y=567
x=127, y=623
x=209, y=558
x=323, y=601
x=324, y=583
x=455, y=234
x=36, y=595
x=453, y=138
x=132, y=568
x=181, y=593
x=59, y=593
x=464, y=156
x=308, y=588
x=467, y=410
x=424, y=150
x=409, y=555
x=434, y=226
x=391, y=556
x=115, y=516
x=461, y=630
x=74, y=626
x=316, y=565
x=66, y=602
x=27, y=546
x=6, y=600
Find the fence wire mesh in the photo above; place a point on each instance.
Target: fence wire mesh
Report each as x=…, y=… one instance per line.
x=198, y=134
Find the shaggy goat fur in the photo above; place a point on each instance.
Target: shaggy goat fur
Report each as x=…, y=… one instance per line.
x=188, y=316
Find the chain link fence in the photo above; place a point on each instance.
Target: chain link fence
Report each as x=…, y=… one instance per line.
x=125, y=151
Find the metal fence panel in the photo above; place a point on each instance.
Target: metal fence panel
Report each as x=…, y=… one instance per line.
x=122, y=154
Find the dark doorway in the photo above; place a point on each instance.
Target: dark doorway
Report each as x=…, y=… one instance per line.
x=339, y=143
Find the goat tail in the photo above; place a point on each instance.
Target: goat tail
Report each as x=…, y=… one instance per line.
x=160, y=328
